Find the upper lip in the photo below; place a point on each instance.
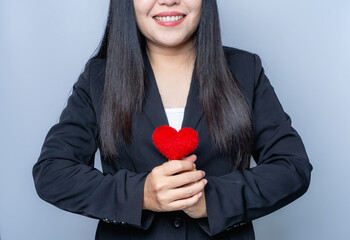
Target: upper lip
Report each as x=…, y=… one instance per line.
x=165, y=14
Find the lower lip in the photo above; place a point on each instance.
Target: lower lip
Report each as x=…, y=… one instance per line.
x=169, y=24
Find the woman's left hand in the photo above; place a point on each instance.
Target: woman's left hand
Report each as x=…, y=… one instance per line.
x=199, y=209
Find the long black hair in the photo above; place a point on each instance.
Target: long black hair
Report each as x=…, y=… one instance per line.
x=228, y=116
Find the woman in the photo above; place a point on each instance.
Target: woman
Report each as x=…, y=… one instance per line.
x=162, y=62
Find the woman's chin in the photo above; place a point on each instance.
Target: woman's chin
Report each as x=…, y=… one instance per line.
x=173, y=43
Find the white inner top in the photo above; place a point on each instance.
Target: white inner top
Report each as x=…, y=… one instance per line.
x=175, y=117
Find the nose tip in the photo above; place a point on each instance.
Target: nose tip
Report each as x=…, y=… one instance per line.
x=169, y=2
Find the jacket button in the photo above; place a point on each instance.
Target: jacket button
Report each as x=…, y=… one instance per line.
x=177, y=222
x=105, y=220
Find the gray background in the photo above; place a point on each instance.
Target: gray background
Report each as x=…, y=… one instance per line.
x=304, y=46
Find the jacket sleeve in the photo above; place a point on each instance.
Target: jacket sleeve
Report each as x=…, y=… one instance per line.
x=281, y=176
x=64, y=174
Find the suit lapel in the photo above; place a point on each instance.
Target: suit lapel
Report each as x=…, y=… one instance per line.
x=193, y=109
x=153, y=105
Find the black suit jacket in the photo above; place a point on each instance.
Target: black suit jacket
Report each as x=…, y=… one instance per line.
x=64, y=174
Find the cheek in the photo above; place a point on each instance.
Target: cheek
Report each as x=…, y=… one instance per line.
x=198, y=4
x=142, y=11
x=196, y=7
x=143, y=7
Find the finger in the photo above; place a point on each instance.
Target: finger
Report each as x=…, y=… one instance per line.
x=186, y=192
x=175, y=166
x=193, y=170
x=185, y=178
x=184, y=203
x=187, y=185
x=191, y=158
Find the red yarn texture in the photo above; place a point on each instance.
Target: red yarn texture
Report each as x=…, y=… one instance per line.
x=175, y=145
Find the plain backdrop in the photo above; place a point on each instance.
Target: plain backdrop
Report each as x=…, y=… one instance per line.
x=305, y=49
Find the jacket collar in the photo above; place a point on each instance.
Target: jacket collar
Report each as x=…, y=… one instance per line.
x=153, y=105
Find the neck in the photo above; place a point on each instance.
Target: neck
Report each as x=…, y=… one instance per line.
x=172, y=58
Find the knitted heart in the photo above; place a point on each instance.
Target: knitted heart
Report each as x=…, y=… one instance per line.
x=175, y=145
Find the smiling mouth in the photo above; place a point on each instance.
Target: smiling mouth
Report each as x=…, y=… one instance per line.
x=169, y=18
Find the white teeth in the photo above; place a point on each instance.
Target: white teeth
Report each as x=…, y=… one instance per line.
x=169, y=18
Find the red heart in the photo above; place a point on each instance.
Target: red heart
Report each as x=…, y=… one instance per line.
x=175, y=145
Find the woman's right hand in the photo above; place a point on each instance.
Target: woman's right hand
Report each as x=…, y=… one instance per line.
x=174, y=185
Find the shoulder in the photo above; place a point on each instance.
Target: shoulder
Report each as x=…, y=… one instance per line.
x=96, y=66
x=245, y=66
x=236, y=52
x=240, y=60
x=94, y=79
x=93, y=72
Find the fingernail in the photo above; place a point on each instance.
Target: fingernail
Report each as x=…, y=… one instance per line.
x=205, y=181
x=194, y=165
